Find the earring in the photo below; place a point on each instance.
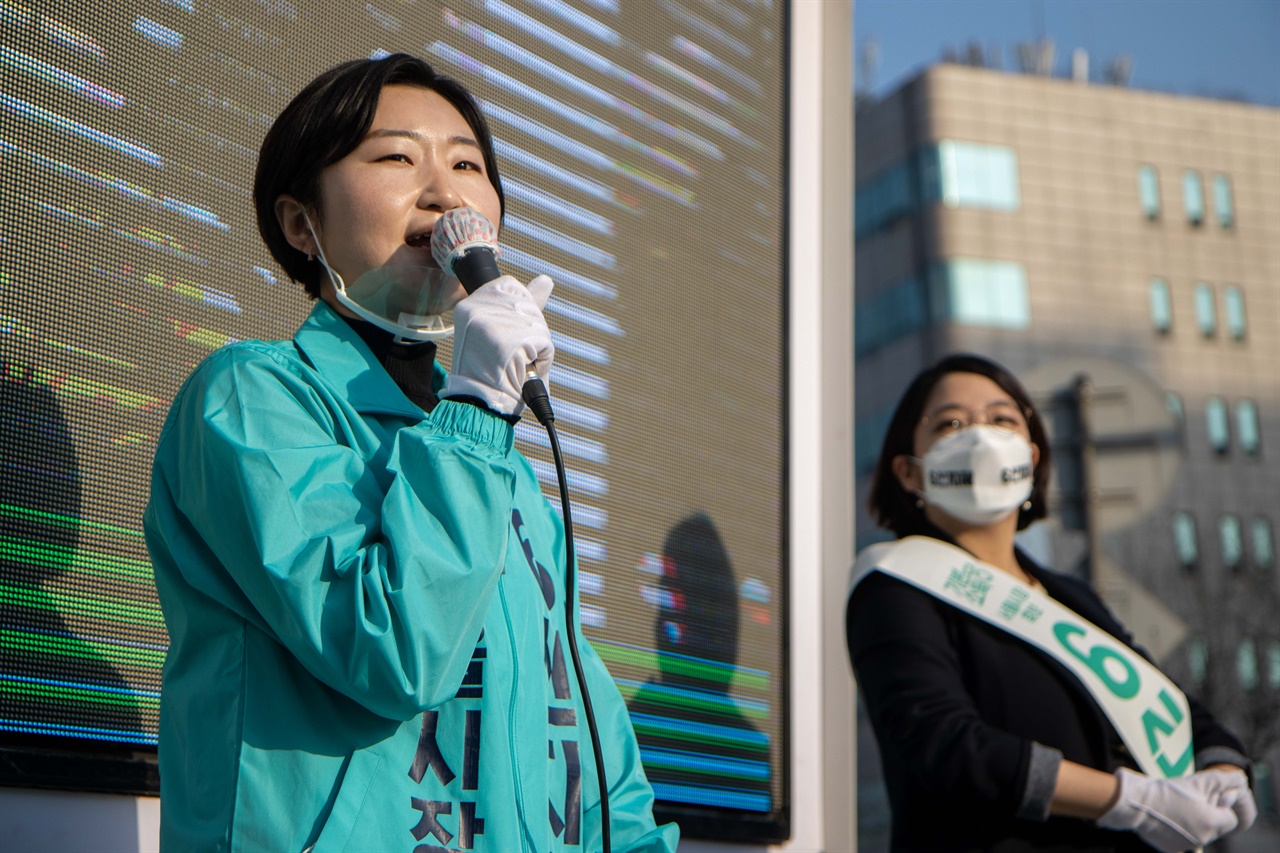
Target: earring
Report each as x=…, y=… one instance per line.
x=919, y=503
x=1026, y=504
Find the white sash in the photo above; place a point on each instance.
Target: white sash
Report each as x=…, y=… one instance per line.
x=1148, y=711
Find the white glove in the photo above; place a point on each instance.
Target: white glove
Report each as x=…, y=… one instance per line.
x=499, y=332
x=1232, y=791
x=1174, y=815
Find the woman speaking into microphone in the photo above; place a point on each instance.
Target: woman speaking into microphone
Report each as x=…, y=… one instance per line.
x=359, y=574
x=1012, y=710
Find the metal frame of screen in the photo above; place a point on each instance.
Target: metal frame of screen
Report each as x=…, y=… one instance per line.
x=77, y=764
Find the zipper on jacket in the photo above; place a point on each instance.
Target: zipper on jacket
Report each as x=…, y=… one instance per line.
x=525, y=841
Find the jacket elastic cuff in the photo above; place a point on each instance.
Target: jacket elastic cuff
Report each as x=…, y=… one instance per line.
x=1042, y=778
x=477, y=401
x=1224, y=755
x=476, y=423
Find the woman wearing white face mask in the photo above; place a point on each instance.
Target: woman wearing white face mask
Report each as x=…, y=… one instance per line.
x=1011, y=709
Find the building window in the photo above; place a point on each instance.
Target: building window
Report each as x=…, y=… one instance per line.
x=1232, y=545
x=1215, y=419
x=1222, y=204
x=1273, y=666
x=1206, y=315
x=868, y=437
x=966, y=174
x=1184, y=538
x=1197, y=660
x=1247, y=664
x=1149, y=191
x=882, y=200
x=1173, y=404
x=1247, y=427
x=1161, y=306
x=980, y=293
x=1193, y=196
x=889, y=315
x=1260, y=532
x=1233, y=307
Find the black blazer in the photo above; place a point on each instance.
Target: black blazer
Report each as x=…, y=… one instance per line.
x=956, y=704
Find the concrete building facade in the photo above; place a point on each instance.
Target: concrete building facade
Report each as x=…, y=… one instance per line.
x=1061, y=227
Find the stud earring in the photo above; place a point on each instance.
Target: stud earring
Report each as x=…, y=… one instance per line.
x=1026, y=504
x=919, y=503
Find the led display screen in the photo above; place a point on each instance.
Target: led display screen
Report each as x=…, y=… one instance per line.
x=642, y=151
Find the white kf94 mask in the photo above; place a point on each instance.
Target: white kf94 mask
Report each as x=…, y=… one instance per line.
x=979, y=474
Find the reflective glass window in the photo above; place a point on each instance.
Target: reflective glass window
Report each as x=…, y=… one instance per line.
x=1247, y=427
x=1173, y=403
x=883, y=199
x=888, y=316
x=1193, y=196
x=1161, y=306
x=979, y=292
x=1229, y=536
x=1206, y=314
x=1273, y=666
x=1264, y=555
x=1149, y=191
x=1215, y=419
x=868, y=437
x=1233, y=308
x=967, y=174
x=1184, y=538
x=1247, y=664
x=1222, y=203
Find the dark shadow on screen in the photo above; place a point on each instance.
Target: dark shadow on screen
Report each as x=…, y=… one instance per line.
x=696, y=630
x=45, y=663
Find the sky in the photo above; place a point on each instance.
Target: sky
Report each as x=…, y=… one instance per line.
x=1208, y=48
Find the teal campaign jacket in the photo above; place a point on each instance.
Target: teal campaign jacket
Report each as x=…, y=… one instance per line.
x=365, y=606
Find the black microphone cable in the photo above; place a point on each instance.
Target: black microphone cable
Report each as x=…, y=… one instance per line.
x=535, y=397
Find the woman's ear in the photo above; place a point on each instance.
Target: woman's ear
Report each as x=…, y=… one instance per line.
x=1035, y=455
x=292, y=216
x=907, y=470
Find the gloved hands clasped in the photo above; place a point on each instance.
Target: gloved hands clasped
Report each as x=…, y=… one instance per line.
x=1175, y=815
x=499, y=332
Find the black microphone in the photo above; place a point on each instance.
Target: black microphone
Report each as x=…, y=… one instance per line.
x=475, y=266
x=465, y=245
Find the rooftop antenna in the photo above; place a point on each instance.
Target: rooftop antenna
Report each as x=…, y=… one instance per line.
x=1036, y=57
x=1119, y=70
x=867, y=65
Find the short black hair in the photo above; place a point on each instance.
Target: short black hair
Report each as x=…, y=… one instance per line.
x=892, y=506
x=325, y=122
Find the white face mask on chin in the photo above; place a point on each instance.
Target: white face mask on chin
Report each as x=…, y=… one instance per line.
x=979, y=474
x=410, y=301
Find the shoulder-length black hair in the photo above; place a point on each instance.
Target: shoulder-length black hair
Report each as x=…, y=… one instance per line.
x=325, y=122
x=892, y=506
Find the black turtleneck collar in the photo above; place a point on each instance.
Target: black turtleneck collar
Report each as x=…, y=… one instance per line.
x=411, y=366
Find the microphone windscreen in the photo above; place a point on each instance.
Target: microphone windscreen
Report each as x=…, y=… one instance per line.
x=458, y=231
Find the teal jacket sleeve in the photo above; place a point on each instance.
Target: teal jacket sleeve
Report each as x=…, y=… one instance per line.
x=631, y=823
x=376, y=578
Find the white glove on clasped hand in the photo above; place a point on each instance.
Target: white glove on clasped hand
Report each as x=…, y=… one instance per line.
x=1229, y=788
x=498, y=332
x=1174, y=815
